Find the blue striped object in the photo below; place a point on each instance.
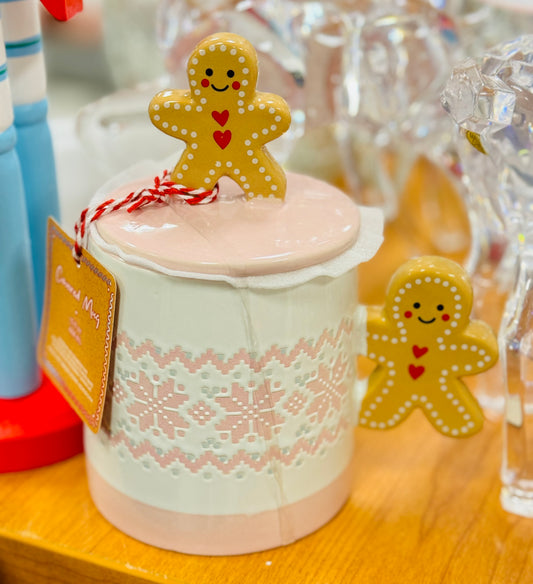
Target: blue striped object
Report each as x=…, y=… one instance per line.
x=24, y=47
x=3, y=72
x=19, y=373
x=34, y=148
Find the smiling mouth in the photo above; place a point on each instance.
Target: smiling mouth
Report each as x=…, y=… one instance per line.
x=426, y=321
x=217, y=89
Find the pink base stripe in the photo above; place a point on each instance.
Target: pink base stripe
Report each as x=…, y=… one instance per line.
x=218, y=535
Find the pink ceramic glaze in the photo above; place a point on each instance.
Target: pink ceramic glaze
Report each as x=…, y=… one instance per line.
x=239, y=237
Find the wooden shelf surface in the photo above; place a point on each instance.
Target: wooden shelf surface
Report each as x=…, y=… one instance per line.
x=423, y=508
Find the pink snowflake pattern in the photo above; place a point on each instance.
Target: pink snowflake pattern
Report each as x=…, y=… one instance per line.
x=201, y=413
x=118, y=392
x=295, y=403
x=329, y=389
x=156, y=405
x=250, y=411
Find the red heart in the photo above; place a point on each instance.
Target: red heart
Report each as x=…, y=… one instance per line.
x=415, y=372
x=222, y=138
x=419, y=351
x=221, y=117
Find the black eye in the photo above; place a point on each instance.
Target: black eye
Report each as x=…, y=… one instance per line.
x=416, y=305
x=440, y=307
x=231, y=73
x=209, y=72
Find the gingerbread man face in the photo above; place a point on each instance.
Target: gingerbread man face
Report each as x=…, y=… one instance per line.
x=423, y=342
x=223, y=72
x=224, y=121
x=429, y=301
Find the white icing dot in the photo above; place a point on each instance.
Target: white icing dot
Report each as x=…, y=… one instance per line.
x=434, y=414
x=487, y=359
x=394, y=340
x=188, y=108
x=194, y=146
x=480, y=363
x=184, y=131
x=262, y=106
x=197, y=92
x=442, y=347
x=251, y=108
x=240, y=102
x=396, y=315
x=455, y=368
x=245, y=70
x=207, y=180
x=273, y=127
x=254, y=161
x=177, y=106
x=243, y=178
x=414, y=397
x=194, y=61
x=418, y=281
x=222, y=48
x=445, y=429
x=229, y=164
x=396, y=308
x=247, y=142
x=438, y=422
x=262, y=169
x=274, y=187
x=453, y=325
x=185, y=167
x=457, y=297
x=427, y=279
x=255, y=135
x=199, y=108
x=241, y=94
x=408, y=285
x=190, y=156
x=167, y=104
x=264, y=131
x=157, y=118
x=236, y=171
x=192, y=71
x=179, y=175
x=218, y=163
x=202, y=52
x=268, y=178
x=165, y=124
x=453, y=347
x=401, y=291
x=156, y=107
x=241, y=59
x=453, y=289
x=193, y=134
x=246, y=186
x=203, y=100
x=233, y=52
x=212, y=47
x=250, y=152
x=277, y=119
x=211, y=172
x=455, y=432
x=468, y=367
x=446, y=284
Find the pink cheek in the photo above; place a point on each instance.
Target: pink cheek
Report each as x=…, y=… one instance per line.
x=408, y=314
x=205, y=82
x=236, y=85
x=445, y=317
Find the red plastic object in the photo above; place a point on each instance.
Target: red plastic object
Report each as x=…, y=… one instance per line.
x=37, y=430
x=63, y=9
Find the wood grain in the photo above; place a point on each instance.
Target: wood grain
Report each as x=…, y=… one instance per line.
x=423, y=509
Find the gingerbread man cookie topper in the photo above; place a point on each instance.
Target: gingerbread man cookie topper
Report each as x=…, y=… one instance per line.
x=224, y=121
x=423, y=342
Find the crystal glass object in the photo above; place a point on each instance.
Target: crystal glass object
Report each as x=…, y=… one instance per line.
x=398, y=58
x=493, y=100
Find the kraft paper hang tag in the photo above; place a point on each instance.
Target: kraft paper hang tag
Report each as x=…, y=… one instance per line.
x=77, y=328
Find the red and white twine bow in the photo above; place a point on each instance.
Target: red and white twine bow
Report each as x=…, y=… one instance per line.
x=162, y=192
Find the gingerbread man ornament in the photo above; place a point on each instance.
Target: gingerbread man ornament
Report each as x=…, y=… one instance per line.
x=423, y=341
x=224, y=121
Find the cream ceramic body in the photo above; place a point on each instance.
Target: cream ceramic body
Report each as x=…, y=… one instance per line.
x=229, y=425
